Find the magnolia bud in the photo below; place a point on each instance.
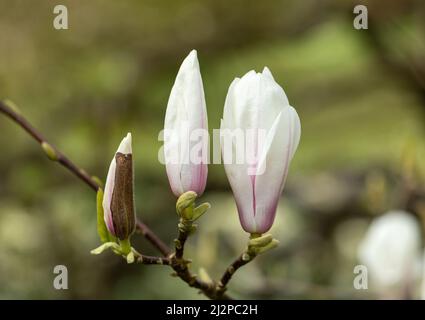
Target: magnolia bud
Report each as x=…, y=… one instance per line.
x=185, y=204
x=186, y=130
x=257, y=104
x=185, y=207
x=118, y=202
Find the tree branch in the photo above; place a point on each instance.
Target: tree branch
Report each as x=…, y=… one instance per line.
x=242, y=260
x=175, y=260
x=54, y=154
x=182, y=236
x=230, y=271
x=140, y=258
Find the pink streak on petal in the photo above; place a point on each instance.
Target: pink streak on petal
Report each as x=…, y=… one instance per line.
x=199, y=178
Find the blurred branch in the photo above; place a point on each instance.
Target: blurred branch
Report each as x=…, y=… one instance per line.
x=10, y=110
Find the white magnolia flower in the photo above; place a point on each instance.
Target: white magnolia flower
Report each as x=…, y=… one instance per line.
x=258, y=106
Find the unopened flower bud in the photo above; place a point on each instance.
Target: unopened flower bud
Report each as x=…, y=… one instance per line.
x=118, y=201
x=186, y=112
x=258, y=103
x=185, y=204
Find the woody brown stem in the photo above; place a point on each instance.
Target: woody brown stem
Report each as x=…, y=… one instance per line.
x=183, y=234
x=140, y=258
x=209, y=289
x=181, y=266
x=242, y=260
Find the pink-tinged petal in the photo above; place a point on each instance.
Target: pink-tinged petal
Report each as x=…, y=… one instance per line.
x=198, y=178
x=199, y=160
x=241, y=185
x=256, y=102
x=273, y=169
x=173, y=174
x=107, y=197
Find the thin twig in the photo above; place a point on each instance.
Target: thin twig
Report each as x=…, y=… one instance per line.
x=140, y=258
x=82, y=174
x=242, y=260
x=181, y=266
x=183, y=234
x=62, y=159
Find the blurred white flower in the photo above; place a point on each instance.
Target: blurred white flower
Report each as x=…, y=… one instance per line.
x=391, y=251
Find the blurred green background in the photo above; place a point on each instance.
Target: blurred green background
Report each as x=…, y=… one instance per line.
x=360, y=95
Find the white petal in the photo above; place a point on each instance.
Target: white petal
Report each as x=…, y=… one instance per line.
x=267, y=73
x=241, y=185
x=257, y=103
x=186, y=111
x=273, y=169
x=107, y=196
x=297, y=130
x=125, y=145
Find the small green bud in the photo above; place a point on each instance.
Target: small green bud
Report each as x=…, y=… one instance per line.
x=49, y=151
x=273, y=244
x=260, y=241
x=185, y=205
